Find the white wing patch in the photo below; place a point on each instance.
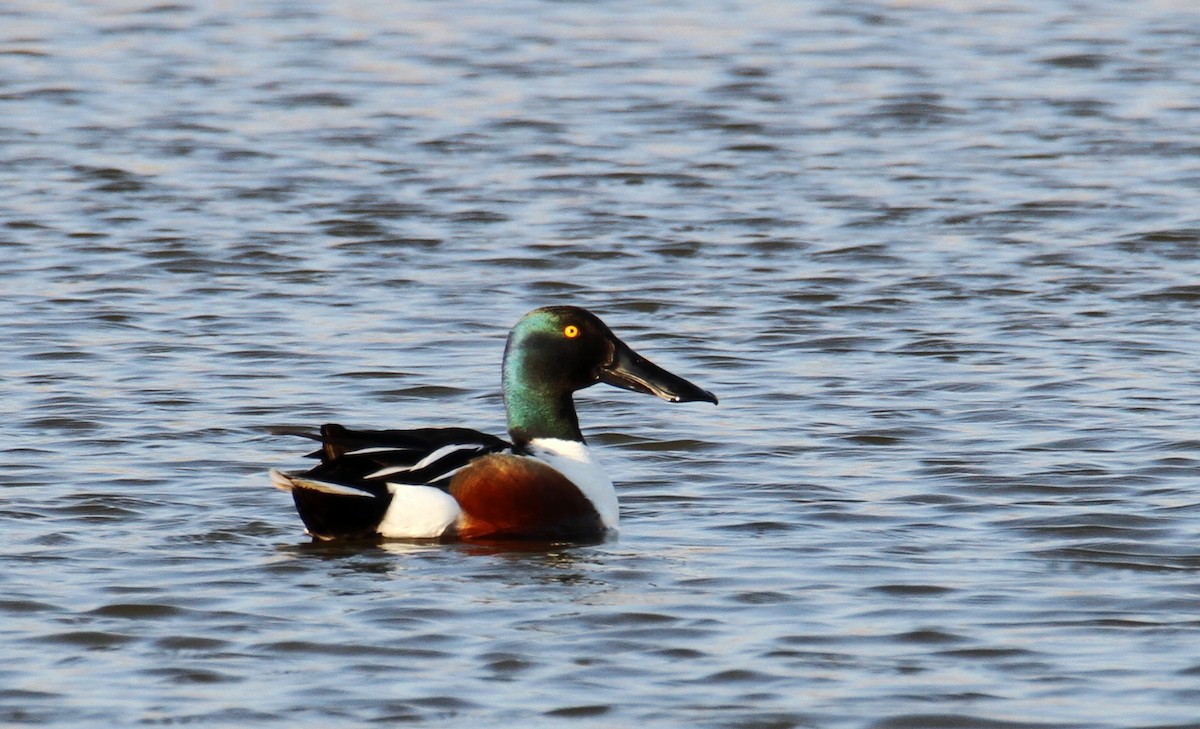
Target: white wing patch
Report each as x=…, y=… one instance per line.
x=572, y=459
x=378, y=449
x=428, y=460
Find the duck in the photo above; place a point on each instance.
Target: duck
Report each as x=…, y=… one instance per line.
x=460, y=484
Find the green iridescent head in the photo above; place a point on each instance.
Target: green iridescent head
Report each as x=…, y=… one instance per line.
x=555, y=351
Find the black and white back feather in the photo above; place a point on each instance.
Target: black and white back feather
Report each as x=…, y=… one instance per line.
x=347, y=495
x=422, y=456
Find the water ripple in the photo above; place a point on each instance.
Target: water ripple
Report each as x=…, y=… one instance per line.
x=938, y=263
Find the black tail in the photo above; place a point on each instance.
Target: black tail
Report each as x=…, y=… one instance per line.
x=334, y=516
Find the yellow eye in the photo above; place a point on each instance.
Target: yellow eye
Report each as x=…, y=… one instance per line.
x=571, y=331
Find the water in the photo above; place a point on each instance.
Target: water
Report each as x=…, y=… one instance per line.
x=940, y=261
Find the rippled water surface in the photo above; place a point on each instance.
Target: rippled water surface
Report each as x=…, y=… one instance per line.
x=940, y=260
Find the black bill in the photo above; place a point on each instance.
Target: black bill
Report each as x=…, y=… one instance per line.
x=629, y=370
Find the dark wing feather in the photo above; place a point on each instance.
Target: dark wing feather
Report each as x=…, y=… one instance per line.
x=369, y=459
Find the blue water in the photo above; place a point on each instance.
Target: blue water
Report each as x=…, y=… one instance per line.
x=940, y=262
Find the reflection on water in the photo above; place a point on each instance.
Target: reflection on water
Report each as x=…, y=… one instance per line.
x=940, y=263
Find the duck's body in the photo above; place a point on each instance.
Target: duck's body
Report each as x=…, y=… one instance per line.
x=456, y=483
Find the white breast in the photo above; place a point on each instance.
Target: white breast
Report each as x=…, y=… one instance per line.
x=573, y=460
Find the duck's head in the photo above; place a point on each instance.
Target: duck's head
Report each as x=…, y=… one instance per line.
x=555, y=351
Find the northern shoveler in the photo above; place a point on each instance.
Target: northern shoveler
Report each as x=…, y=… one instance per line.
x=457, y=483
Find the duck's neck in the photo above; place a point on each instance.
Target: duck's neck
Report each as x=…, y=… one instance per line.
x=538, y=412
